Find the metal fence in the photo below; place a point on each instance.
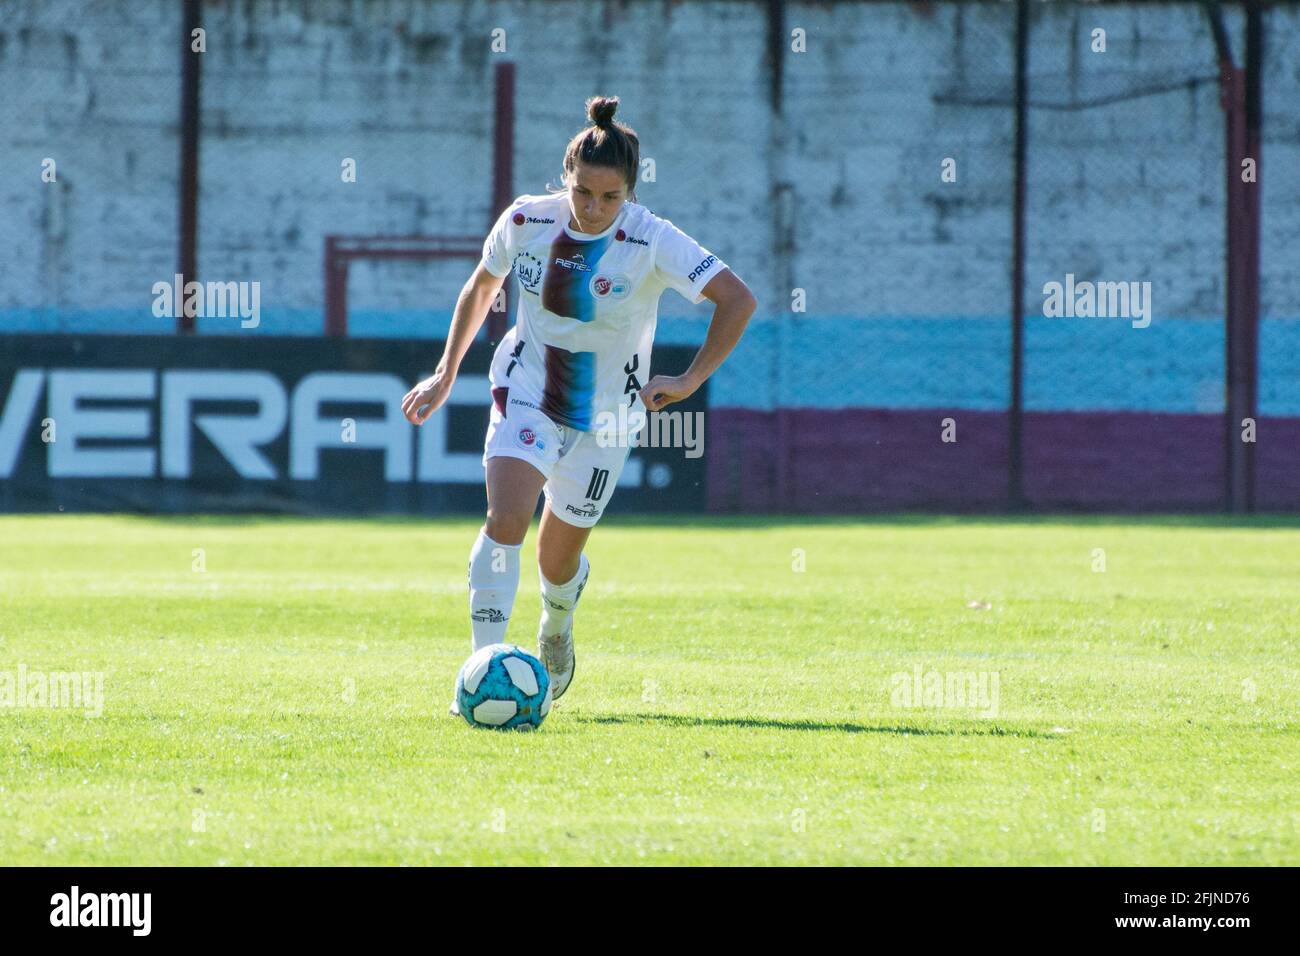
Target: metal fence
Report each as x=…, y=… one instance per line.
x=1008, y=253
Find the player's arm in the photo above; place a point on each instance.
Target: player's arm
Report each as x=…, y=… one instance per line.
x=472, y=307
x=735, y=304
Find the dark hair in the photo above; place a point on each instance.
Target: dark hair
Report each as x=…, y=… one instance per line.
x=606, y=143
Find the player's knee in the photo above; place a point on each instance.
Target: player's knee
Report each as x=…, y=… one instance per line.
x=506, y=529
x=558, y=568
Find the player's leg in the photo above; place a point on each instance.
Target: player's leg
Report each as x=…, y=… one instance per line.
x=512, y=489
x=577, y=494
x=519, y=453
x=563, y=568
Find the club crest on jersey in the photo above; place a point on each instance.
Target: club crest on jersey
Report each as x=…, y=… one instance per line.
x=610, y=287
x=529, y=270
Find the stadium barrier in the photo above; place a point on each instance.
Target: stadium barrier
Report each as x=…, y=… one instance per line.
x=268, y=424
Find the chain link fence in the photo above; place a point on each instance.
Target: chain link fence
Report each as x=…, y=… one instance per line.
x=856, y=163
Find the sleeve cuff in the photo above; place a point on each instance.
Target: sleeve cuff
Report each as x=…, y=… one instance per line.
x=699, y=293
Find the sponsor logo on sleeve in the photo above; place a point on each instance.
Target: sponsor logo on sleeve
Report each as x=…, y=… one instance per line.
x=702, y=268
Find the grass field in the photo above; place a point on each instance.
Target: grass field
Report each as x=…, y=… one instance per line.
x=287, y=703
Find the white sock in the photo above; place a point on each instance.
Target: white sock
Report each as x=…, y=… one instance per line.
x=559, y=600
x=493, y=581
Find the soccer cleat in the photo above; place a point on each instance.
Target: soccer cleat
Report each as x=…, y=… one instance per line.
x=454, y=709
x=557, y=654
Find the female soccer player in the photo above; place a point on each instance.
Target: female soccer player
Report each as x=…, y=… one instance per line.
x=591, y=264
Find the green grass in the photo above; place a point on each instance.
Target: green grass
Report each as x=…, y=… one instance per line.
x=287, y=705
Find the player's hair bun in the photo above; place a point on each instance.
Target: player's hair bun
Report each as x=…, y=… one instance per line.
x=601, y=109
x=606, y=143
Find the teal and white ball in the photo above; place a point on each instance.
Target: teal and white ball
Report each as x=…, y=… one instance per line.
x=504, y=687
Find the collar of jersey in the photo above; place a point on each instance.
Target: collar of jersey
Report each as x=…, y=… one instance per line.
x=588, y=237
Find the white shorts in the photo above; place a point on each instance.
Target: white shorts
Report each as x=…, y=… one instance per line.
x=581, y=473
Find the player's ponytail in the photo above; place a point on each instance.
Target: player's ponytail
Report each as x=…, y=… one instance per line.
x=606, y=143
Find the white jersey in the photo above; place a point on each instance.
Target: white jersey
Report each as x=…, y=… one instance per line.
x=587, y=304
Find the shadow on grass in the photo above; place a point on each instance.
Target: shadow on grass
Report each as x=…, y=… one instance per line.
x=771, y=723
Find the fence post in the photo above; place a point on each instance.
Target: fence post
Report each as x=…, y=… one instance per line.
x=1015, y=419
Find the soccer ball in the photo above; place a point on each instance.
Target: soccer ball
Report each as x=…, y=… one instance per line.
x=504, y=687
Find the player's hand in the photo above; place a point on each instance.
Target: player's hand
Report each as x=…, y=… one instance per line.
x=665, y=389
x=427, y=397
